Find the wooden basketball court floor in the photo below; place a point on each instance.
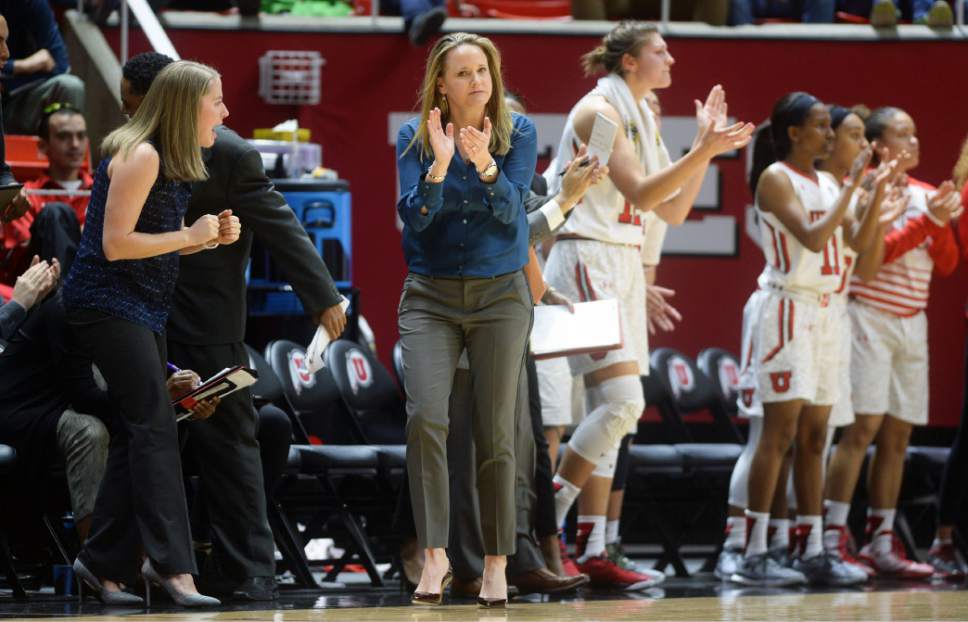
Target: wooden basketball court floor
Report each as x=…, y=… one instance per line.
x=695, y=599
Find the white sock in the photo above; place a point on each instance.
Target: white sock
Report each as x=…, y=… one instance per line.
x=779, y=533
x=735, y=533
x=611, y=531
x=835, y=513
x=810, y=532
x=880, y=526
x=756, y=525
x=590, y=541
x=565, y=495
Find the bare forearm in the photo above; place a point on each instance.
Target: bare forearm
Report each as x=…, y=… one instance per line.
x=137, y=245
x=655, y=188
x=861, y=234
x=676, y=210
x=869, y=261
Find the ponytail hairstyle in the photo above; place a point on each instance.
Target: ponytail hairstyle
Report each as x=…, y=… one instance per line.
x=763, y=154
x=626, y=38
x=790, y=111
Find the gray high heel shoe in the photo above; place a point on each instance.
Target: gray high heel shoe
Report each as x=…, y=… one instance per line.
x=182, y=598
x=85, y=576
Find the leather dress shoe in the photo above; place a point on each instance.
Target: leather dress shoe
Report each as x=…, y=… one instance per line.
x=471, y=588
x=257, y=589
x=543, y=581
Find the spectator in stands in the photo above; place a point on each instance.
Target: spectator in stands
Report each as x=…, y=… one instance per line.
x=811, y=11
x=19, y=204
x=118, y=296
x=37, y=74
x=206, y=331
x=422, y=19
x=51, y=227
x=885, y=13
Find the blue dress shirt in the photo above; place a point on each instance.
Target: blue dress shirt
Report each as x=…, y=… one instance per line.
x=471, y=229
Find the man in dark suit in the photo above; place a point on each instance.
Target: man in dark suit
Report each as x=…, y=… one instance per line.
x=206, y=328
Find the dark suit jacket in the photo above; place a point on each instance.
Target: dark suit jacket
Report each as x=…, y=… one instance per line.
x=209, y=303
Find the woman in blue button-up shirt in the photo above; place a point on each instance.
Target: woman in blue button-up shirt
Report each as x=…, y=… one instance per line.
x=465, y=167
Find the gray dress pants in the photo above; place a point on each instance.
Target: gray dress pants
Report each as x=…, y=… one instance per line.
x=466, y=549
x=438, y=319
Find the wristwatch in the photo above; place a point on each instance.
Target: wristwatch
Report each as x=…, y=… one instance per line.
x=489, y=171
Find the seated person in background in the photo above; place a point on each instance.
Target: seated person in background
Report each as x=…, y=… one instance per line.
x=885, y=13
x=35, y=75
x=808, y=11
x=51, y=227
x=55, y=403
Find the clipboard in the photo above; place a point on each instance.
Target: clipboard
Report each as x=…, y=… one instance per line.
x=595, y=326
x=225, y=382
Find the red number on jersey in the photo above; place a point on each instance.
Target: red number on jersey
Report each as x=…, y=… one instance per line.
x=627, y=217
x=831, y=258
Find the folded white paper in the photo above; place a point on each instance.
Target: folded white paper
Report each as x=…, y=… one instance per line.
x=602, y=139
x=317, y=347
x=593, y=327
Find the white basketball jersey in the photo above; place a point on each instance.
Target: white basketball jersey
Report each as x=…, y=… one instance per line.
x=789, y=265
x=603, y=213
x=848, y=259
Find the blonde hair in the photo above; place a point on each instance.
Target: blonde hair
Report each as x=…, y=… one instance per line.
x=169, y=113
x=626, y=38
x=430, y=96
x=960, y=173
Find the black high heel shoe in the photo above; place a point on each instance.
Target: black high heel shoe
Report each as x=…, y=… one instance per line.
x=430, y=598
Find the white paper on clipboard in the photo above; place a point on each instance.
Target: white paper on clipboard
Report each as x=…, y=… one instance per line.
x=317, y=347
x=594, y=327
x=226, y=382
x=602, y=139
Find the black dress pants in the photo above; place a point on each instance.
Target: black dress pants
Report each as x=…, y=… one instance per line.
x=952, y=486
x=141, y=502
x=227, y=452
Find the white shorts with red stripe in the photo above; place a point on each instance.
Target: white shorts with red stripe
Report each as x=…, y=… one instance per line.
x=790, y=351
x=843, y=410
x=587, y=270
x=889, y=373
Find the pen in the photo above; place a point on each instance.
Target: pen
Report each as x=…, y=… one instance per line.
x=581, y=164
x=172, y=369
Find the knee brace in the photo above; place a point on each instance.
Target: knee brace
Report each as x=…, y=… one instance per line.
x=605, y=467
x=620, y=406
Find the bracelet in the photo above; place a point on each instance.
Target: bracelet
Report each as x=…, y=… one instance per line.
x=209, y=246
x=435, y=179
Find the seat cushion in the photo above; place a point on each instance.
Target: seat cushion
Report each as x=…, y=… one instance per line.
x=929, y=456
x=392, y=456
x=709, y=454
x=654, y=456
x=8, y=455
x=320, y=458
